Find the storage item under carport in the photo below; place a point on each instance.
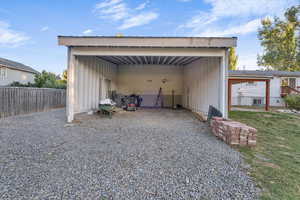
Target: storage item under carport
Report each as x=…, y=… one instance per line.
x=106, y=107
x=130, y=103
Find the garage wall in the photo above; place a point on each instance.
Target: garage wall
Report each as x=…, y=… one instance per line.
x=146, y=80
x=90, y=75
x=201, y=85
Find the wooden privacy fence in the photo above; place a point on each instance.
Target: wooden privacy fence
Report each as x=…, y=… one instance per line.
x=18, y=100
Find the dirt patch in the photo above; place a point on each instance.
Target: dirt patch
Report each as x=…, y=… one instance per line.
x=283, y=146
x=280, y=138
x=268, y=164
x=267, y=116
x=261, y=157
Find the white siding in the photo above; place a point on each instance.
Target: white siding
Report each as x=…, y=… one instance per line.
x=243, y=93
x=16, y=75
x=298, y=83
x=201, y=85
x=90, y=73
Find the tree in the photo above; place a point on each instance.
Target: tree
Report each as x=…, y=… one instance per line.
x=65, y=75
x=48, y=80
x=233, y=58
x=280, y=41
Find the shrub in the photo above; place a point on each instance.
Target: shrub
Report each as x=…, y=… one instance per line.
x=293, y=101
x=18, y=84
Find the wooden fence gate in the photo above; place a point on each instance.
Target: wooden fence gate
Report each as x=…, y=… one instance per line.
x=22, y=100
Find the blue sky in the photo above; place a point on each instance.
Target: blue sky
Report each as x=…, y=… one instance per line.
x=29, y=29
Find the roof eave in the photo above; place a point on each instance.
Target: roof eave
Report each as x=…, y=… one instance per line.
x=23, y=70
x=250, y=77
x=148, y=42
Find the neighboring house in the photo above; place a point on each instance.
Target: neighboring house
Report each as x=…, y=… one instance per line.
x=11, y=71
x=191, y=71
x=252, y=93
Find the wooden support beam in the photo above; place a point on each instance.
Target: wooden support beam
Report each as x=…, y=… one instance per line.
x=143, y=59
x=174, y=61
x=180, y=59
x=158, y=60
x=183, y=60
x=267, y=95
x=131, y=58
x=125, y=58
x=108, y=59
x=139, y=60
x=190, y=60
x=121, y=61
x=165, y=59
x=171, y=60
x=146, y=59
x=229, y=94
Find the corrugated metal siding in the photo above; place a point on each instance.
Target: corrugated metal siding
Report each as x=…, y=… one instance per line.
x=201, y=85
x=89, y=71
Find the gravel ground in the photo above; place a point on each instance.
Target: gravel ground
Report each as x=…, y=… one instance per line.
x=148, y=154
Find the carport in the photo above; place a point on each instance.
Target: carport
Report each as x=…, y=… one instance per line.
x=193, y=69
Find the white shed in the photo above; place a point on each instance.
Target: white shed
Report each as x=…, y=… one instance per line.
x=193, y=68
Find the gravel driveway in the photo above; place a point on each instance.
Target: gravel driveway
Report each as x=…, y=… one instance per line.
x=148, y=154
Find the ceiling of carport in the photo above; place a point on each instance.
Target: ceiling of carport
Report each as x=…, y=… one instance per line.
x=161, y=60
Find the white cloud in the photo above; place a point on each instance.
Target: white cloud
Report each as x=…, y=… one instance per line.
x=107, y=3
x=112, y=9
x=119, y=11
x=235, y=10
x=87, y=32
x=248, y=27
x=138, y=20
x=10, y=37
x=234, y=18
x=142, y=6
x=221, y=8
x=45, y=28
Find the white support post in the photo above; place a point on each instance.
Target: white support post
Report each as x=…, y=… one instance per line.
x=224, y=84
x=70, y=86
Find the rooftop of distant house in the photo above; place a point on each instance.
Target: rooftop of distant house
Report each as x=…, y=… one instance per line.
x=17, y=66
x=270, y=73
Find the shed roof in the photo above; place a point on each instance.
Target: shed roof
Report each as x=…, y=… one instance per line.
x=260, y=73
x=16, y=65
x=152, y=42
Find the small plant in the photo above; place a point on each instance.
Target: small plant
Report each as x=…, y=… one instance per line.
x=293, y=101
x=18, y=84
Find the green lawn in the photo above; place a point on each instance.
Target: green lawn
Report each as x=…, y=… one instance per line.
x=275, y=161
